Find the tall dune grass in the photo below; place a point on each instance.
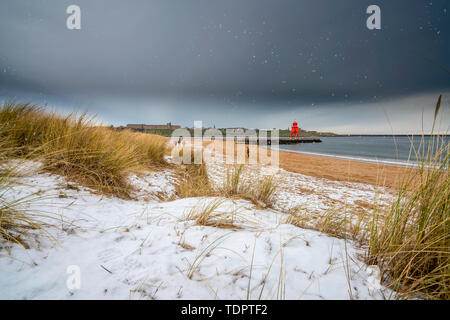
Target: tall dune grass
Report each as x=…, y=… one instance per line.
x=412, y=242
x=76, y=147
x=17, y=220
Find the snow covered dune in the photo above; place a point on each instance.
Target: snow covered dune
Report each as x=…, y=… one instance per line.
x=147, y=249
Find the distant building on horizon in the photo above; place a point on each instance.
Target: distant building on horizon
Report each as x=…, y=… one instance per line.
x=143, y=127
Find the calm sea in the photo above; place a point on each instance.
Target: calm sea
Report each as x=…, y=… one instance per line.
x=389, y=149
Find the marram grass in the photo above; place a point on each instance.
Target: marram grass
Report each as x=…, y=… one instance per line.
x=412, y=242
x=78, y=148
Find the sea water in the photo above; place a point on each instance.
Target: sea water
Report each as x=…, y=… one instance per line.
x=388, y=149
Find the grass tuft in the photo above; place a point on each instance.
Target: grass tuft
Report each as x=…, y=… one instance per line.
x=19, y=223
x=206, y=214
x=261, y=192
x=193, y=181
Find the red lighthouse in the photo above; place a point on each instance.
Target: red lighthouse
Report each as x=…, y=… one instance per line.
x=295, y=132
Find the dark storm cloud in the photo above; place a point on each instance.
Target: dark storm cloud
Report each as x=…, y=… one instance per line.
x=234, y=50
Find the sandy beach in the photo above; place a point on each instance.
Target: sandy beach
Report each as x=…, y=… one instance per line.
x=315, y=185
x=382, y=174
x=343, y=170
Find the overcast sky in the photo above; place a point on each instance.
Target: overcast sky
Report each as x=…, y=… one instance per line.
x=251, y=63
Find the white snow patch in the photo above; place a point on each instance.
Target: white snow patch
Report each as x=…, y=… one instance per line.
x=154, y=185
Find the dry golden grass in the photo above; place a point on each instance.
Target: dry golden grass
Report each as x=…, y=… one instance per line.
x=265, y=190
x=17, y=221
x=260, y=192
x=193, y=180
x=77, y=148
x=72, y=146
x=411, y=243
x=206, y=214
x=331, y=222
